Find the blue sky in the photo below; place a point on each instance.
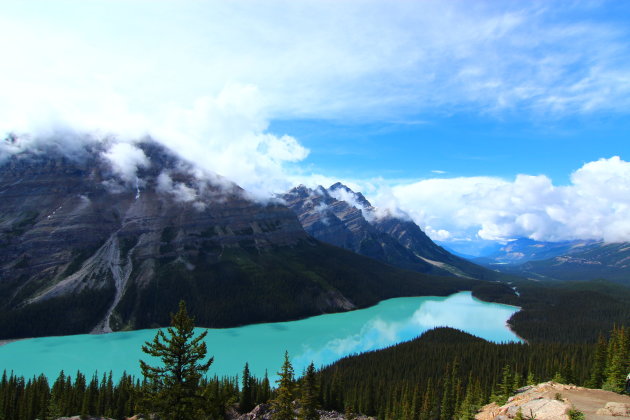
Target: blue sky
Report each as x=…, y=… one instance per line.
x=459, y=145
x=478, y=120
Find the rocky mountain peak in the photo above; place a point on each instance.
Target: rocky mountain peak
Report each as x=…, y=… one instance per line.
x=345, y=218
x=344, y=193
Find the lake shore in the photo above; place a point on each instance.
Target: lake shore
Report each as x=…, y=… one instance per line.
x=321, y=339
x=11, y=340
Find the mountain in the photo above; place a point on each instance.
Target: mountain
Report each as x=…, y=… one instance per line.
x=523, y=249
x=344, y=218
x=106, y=236
x=594, y=260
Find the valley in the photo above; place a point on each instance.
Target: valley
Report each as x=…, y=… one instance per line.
x=94, y=260
x=322, y=339
x=315, y=210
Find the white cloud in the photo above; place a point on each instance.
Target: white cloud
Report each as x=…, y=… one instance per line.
x=125, y=159
x=179, y=191
x=226, y=135
x=596, y=205
x=205, y=78
x=107, y=65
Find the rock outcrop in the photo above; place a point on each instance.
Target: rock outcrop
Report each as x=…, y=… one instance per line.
x=553, y=401
x=264, y=412
x=615, y=409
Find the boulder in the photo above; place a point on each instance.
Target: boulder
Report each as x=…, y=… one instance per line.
x=615, y=409
x=542, y=409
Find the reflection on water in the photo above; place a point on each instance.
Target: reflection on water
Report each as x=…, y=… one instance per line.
x=322, y=339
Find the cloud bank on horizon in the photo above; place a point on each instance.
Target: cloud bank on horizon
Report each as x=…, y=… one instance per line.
x=206, y=79
x=596, y=205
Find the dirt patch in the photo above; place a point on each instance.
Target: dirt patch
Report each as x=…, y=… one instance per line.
x=551, y=400
x=588, y=400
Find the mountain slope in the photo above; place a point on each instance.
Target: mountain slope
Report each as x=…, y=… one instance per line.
x=111, y=236
x=343, y=218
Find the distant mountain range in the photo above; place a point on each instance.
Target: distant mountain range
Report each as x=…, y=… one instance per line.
x=92, y=244
x=569, y=260
x=344, y=218
x=523, y=250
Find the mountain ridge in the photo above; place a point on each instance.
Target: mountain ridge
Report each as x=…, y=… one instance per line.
x=344, y=218
x=89, y=244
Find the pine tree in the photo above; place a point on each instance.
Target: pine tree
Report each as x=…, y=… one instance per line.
x=246, y=403
x=449, y=397
x=599, y=364
x=283, y=403
x=173, y=388
x=468, y=407
x=308, y=399
x=617, y=364
x=57, y=396
x=531, y=379
x=506, y=383
x=426, y=411
x=265, y=392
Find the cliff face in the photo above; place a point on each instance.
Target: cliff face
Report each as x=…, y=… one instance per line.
x=343, y=218
x=94, y=244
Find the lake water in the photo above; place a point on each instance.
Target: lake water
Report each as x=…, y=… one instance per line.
x=321, y=339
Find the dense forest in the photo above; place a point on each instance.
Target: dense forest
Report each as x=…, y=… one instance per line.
x=447, y=373
x=443, y=374
x=565, y=312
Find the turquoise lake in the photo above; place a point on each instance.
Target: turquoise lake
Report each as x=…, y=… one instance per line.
x=321, y=339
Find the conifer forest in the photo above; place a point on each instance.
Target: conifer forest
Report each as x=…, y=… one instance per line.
x=443, y=374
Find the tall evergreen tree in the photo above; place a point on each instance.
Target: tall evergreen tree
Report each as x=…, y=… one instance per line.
x=246, y=402
x=599, y=364
x=173, y=387
x=309, y=393
x=618, y=360
x=265, y=392
x=283, y=403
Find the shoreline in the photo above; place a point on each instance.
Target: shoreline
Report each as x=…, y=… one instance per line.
x=507, y=323
x=11, y=340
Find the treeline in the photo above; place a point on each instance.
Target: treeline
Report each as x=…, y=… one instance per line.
x=31, y=399
x=571, y=312
x=443, y=374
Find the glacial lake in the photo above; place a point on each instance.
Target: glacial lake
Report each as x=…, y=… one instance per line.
x=322, y=339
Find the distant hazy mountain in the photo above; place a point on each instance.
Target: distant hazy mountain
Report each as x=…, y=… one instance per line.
x=522, y=250
x=594, y=260
x=344, y=218
x=104, y=238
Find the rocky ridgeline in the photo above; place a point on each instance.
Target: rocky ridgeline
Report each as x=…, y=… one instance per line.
x=554, y=401
x=345, y=218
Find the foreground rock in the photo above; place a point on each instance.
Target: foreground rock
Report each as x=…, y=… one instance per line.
x=264, y=412
x=553, y=401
